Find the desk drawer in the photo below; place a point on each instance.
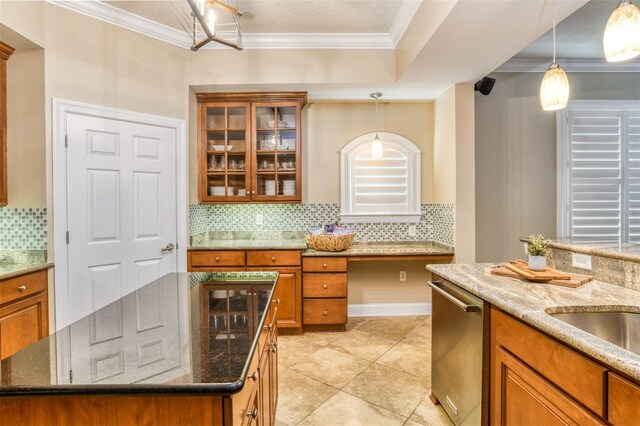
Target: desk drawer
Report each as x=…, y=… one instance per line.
x=324, y=285
x=324, y=264
x=324, y=311
x=273, y=258
x=199, y=259
x=22, y=286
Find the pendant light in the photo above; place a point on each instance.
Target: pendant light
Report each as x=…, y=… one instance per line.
x=554, y=90
x=376, y=145
x=621, y=40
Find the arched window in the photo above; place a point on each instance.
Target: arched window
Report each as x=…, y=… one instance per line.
x=380, y=190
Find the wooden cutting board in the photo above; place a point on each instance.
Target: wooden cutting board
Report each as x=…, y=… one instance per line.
x=521, y=268
x=575, y=280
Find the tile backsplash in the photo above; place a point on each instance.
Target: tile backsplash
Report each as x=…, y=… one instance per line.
x=23, y=228
x=436, y=222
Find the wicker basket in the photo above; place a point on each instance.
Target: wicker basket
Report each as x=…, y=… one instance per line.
x=329, y=242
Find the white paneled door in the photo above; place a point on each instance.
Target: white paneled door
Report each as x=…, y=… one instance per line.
x=121, y=209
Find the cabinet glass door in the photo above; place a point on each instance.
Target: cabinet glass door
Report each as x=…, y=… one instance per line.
x=226, y=146
x=277, y=151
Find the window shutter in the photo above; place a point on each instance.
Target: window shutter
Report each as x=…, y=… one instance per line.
x=380, y=186
x=595, y=174
x=631, y=138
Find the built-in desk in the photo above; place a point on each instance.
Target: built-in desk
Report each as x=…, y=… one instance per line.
x=313, y=285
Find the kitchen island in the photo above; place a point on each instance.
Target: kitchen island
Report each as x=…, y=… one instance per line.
x=198, y=348
x=541, y=366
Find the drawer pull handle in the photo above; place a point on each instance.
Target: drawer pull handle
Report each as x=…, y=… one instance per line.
x=325, y=286
x=324, y=265
x=275, y=344
x=270, y=327
x=325, y=313
x=217, y=259
x=277, y=301
x=273, y=259
x=253, y=414
x=22, y=288
x=273, y=348
x=255, y=376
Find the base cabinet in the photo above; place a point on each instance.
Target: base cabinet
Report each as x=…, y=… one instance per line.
x=24, y=314
x=325, y=290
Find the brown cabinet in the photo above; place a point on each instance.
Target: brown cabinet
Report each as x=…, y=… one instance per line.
x=24, y=315
x=325, y=291
x=5, y=52
x=250, y=147
x=624, y=400
x=285, y=262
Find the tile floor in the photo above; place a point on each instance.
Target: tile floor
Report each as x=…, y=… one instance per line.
x=377, y=373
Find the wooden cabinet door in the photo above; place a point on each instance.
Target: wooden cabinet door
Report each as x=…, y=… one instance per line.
x=273, y=359
x=289, y=293
x=23, y=323
x=265, y=385
x=522, y=397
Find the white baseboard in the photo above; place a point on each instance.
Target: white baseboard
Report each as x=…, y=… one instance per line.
x=389, y=309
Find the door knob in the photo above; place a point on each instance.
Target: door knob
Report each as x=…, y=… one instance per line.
x=325, y=313
x=273, y=259
x=325, y=286
x=168, y=247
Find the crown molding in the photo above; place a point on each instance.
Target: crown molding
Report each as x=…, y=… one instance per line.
x=353, y=94
x=404, y=17
x=121, y=18
x=569, y=65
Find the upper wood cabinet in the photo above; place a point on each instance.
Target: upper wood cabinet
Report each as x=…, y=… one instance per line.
x=5, y=52
x=249, y=147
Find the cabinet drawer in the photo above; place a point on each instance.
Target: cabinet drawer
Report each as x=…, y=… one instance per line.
x=216, y=258
x=324, y=285
x=273, y=258
x=578, y=376
x=624, y=400
x=324, y=264
x=22, y=286
x=324, y=311
x=242, y=402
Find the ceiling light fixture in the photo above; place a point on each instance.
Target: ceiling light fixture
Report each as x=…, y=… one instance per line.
x=376, y=145
x=554, y=90
x=621, y=39
x=209, y=20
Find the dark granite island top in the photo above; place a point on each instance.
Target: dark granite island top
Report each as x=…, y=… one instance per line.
x=185, y=333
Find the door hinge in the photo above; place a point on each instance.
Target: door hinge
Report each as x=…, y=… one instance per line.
x=70, y=376
x=67, y=237
x=66, y=141
x=176, y=246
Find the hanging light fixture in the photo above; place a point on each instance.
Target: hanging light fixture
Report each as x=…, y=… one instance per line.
x=376, y=145
x=621, y=40
x=554, y=90
x=209, y=20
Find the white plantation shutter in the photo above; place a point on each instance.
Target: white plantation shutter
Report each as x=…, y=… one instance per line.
x=601, y=173
x=380, y=190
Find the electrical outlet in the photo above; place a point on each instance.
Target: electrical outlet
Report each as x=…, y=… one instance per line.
x=582, y=261
x=403, y=275
x=412, y=230
x=259, y=219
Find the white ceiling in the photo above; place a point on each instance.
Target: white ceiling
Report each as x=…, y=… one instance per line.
x=287, y=16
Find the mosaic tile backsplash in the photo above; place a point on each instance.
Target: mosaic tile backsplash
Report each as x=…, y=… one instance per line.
x=436, y=222
x=23, y=228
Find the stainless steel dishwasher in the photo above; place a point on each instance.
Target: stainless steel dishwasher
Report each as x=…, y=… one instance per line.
x=458, y=348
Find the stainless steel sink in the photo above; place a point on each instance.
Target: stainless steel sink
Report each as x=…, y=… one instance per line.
x=619, y=328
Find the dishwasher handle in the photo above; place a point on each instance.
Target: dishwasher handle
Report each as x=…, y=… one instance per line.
x=459, y=303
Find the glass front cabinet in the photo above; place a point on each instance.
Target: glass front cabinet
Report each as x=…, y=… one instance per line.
x=250, y=147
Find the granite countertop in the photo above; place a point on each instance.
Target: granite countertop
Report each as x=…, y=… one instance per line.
x=183, y=333
x=389, y=248
x=14, y=263
x=615, y=250
x=530, y=302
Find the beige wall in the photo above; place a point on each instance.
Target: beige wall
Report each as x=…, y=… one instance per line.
x=454, y=164
x=328, y=126
x=516, y=157
x=26, y=129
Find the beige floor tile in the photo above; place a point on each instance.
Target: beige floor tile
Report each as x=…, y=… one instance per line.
x=409, y=422
x=390, y=389
x=355, y=322
x=430, y=415
x=363, y=345
x=346, y=410
x=394, y=328
x=322, y=338
x=299, y=395
x=332, y=367
x=420, y=335
x=294, y=348
x=281, y=423
x=411, y=359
